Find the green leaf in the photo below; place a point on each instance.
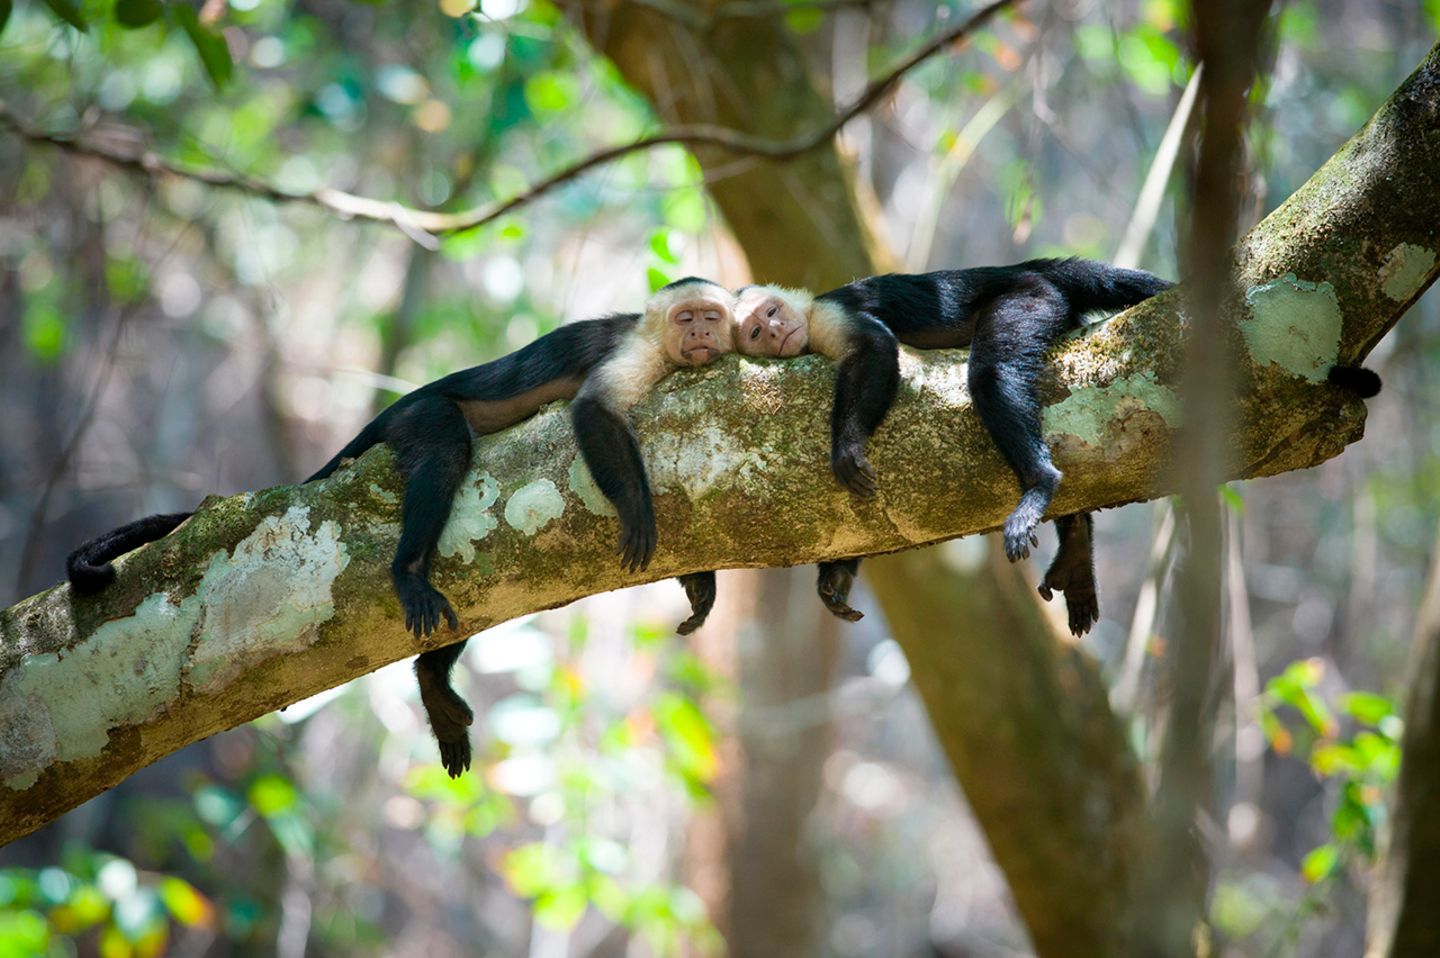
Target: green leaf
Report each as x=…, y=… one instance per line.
x=213, y=51
x=6, y=8
x=804, y=20
x=272, y=795
x=1366, y=707
x=68, y=11
x=135, y=14
x=1320, y=863
x=656, y=279
x=1232, y=498
x=562, y=907
x=187, y=905
x=662, y=246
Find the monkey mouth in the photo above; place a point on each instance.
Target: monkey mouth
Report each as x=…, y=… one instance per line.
x=700, y=355
x=786, y=342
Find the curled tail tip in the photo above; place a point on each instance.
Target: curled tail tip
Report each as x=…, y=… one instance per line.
x=86, y=578
x=1363, y=382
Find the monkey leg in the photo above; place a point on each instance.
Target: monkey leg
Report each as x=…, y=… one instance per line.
x=866, y=382
x=700, y=590
x=1006, y=356
x=612, y=454
x=432, y=449
x=448, y=713
x=1073, y=572
x=833, y=585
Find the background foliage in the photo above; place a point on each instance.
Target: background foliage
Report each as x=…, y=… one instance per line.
x=163, y=340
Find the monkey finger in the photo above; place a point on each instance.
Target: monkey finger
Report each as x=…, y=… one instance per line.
x=1045, y=591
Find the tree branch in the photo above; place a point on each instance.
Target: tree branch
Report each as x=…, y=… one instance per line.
x=266, y=598
x=422, y=225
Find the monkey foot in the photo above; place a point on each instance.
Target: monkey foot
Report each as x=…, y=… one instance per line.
x=424, y=606
x=1082, y=604
x=700, y=590
x=854, y=472
x=455, y=756
x=834, y=590
x=449, y=717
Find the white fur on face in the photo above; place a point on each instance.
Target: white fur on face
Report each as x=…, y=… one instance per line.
x=784, y=334
x=712, y=309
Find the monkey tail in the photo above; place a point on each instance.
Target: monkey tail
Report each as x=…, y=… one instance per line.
x=369, y=436
x=1357, y=379
x=89, y=567
x=1093, y=287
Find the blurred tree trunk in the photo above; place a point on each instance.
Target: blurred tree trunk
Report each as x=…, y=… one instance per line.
x=1025, y=720
x=1405, y=901
x=797, y=226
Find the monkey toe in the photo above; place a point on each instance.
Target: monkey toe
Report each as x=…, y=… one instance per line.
x=1020, y=535
x=424, y=607
x=855, y=473
x=1083, y=613
x=637, y=544
x=455, y=756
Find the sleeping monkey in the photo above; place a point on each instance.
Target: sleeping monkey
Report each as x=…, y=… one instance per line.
x=606, y=364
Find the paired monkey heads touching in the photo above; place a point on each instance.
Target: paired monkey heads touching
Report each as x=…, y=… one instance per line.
x=699, y=321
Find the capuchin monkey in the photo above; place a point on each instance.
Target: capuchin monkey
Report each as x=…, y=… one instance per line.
x=606, y=364
x=1009, y=316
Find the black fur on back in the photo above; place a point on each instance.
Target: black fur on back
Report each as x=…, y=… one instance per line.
x=568, y=352
x=89, y=567
x=915, y=304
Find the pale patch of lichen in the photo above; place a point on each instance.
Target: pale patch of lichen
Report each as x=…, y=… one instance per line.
x=1405, y=271
x=579, y=481
x=1294, y=324
x=266, y=597
x=1091, y=414
x=534, y=506
x=470, y=519
x=62, y=707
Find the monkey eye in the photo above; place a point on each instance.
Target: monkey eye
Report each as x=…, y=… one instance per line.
x=712, y=315
x=770, y=313
x=685, y=317
x=755, y=332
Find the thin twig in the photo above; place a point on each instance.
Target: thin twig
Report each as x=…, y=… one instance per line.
x=418, y=223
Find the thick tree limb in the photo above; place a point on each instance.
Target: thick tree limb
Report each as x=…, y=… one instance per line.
x=269, y=597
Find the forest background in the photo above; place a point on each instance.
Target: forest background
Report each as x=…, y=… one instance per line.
x=773, y=786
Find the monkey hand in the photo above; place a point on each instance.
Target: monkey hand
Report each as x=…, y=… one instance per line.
x=1075, y=578
x=833, y=586
x=424, y=606
x=700, y=590
x=853, y=470
x=637, y=537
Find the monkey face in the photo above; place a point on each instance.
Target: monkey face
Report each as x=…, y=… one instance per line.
x=771, y=322
x=696, y=320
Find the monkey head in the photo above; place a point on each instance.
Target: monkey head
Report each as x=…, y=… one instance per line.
x=772, y=321
x=694, y=319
